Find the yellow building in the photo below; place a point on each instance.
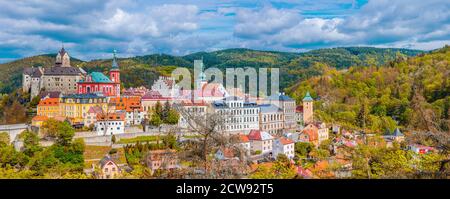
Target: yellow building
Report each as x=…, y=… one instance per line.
x=76, y=106
x=48, y=107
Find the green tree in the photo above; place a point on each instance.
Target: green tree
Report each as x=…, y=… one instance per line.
x=172, y=117
x=303, y=148
x=30, y=143
x=4, y=139
x=65, y=134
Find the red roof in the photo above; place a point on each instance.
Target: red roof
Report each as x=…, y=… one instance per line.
x=286, y=141
x=299, y=109
x=154, y=95
x=244, y=138
x=254, y=135
x=312, y=134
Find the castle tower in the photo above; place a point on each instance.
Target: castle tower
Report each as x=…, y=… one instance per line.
x=114, y=74
x=308, y=112
x=62, y=58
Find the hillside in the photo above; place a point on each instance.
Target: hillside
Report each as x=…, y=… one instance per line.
x=411, y=92
x=142, y=70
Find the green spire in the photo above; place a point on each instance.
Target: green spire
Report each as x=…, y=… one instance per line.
x=114, y=62
x=308, y=97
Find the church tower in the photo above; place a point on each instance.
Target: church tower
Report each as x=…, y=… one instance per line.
x=308, y=112
x=200, y=80
x=114, y=74
x=62, y=58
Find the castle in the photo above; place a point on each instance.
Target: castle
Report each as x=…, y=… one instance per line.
x=61, y=77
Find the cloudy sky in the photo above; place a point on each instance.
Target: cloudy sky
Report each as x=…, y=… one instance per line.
x=91, y=29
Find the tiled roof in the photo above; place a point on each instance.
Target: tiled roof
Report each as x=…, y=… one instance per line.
x=98, y=77
x=95, y=109
x=243, y=138
x=50, y=94
x=111, y=116
x=259, y=135
x=58, y=70
x=154, y=95
x=269, y=108
x=299, y=109
x=285, y=141
x=280, y=97
x=82, y=96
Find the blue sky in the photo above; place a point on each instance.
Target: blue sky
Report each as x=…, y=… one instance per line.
x=91, y=29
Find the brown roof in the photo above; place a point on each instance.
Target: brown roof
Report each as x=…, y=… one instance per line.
x=285, y=141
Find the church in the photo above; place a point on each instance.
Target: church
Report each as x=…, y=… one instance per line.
x=61, y=77
x=98, y=83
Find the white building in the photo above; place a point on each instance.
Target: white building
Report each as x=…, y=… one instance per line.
x=239, y=116
x=194, y=110
x=110, y=124
x=166, y=86
x=261, y=141
x=288, y=106
x=271, y=119
x=284, y=146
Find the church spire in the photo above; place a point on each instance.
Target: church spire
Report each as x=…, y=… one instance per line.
x=114, y=62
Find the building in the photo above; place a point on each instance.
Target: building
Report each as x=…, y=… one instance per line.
x=131, y=105
x=310, y=135
x=151, y=98
x=245, y=143
x=166, y=86
x=108, y=168
x=271, y=119
x=195, y=110
x=91, y=118
x=288, y=106
x=320, y=129
x=139, y=91
x=299, y=114
x=238, y=115
x=97, y=82
x=397, y=136
x=162, y=159
x=421, y=149
x=261, y=141
x=110, y=124
x=308, y=112
x=284, y=146
x=61, y=77
x=48, y=107
x=75, y=107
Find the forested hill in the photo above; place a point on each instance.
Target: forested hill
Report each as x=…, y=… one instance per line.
x=142, y=70
x=413, y=93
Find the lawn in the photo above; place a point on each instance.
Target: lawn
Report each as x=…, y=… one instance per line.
x=150, y=138
x=93, y=154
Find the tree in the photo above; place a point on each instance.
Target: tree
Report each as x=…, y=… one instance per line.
x=113, y=139
x=303, y=148
x=30, y=143
x=50, y=128
x=155, y=120
x=65, y=134
x=4, y=139
x=363, y=114
x=158, y=109
x=172, y=117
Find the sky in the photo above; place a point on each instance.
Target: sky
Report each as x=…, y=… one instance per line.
x=92, y=29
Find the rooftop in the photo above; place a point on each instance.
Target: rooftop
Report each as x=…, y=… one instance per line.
x=308, y=97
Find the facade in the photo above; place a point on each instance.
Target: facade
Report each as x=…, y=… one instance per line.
x=261, y=141
x=131, y=105
x=195, y=110
x=317, y=132
x=271, y=119
x=151, y=98
x=308, y=112
x=61, y=77
x=48, y=107
x=287, y=105
x=161, y=159
x=284, y=146
x=166, y=86
x=245, y=143
x=91, y=117
x=108, y=168
x=110, y=124
x=239, y=115
x=97, y=82
x=76, y=106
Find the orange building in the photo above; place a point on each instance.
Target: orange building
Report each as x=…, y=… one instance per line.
x=131, y=105
x=48, y=107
